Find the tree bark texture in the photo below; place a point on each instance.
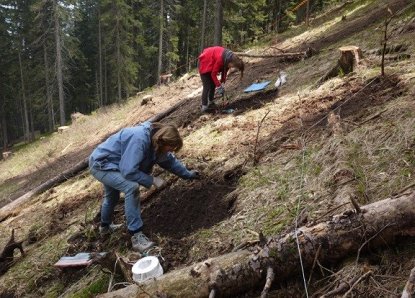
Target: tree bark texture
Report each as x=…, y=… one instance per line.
x=119, y=63
x=218, y=23
x=4, y=124
x=409, y=290
x=238, y=272
x=202, y=38
x=287, y=56
x=101, y=99
x=349, y=58
x=49, y=99
x=160, y=59
x=59, y=64
x=24, y=101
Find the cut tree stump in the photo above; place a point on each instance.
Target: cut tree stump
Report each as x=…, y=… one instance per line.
x=6, y=154
x=350, y=57
x=61, y=129
x=378, y=225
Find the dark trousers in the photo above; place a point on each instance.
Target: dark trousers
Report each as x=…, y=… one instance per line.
x=208, y=92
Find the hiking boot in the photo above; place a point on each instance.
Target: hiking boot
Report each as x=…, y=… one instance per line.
x=106, y=230
x=211, y=104
x=140, y=242
x=209, y=108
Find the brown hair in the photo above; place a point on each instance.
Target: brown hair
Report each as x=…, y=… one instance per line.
x=165, y=135
x=238, y=63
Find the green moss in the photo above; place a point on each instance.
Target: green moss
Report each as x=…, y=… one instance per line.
x=98, y=286
x=204, y=234
x=275, y=221
x=8, y=188
x=54, y=290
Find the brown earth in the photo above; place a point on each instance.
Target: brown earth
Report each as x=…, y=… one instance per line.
x=173, y=215
x=264, y=69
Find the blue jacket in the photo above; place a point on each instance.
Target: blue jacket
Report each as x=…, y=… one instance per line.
x=130, y=151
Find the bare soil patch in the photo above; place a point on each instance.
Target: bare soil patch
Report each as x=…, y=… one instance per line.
x=169, y=218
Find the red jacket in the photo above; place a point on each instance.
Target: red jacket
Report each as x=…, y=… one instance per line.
x=211, y=60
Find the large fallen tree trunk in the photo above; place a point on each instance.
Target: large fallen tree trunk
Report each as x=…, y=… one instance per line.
x=347, y=234
x=7, y=210
x=409, y=290
x=286, y=56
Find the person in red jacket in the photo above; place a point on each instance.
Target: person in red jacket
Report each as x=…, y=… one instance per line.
x=212, y=61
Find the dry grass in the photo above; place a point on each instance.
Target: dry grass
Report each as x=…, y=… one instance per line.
x=91, y=129
x=269, y=196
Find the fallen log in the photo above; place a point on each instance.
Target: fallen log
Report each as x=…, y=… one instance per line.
x=6, y=210
x=283, y=55
x=238, y=272
x=397, y=48
x=409, y=290
x=286, y=56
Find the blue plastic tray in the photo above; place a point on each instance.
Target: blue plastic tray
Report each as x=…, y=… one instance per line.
x=257, y=86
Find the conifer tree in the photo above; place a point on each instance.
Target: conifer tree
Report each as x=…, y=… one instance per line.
x=117, y=25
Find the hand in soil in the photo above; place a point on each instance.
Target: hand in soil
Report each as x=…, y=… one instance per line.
x=195, y=175
x=158, y=182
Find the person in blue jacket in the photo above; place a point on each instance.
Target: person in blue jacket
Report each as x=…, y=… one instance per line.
x=124, y=161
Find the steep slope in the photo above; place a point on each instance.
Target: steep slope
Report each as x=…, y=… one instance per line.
x=263, y=166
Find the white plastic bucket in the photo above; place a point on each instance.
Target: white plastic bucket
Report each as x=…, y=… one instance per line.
x=146, y=268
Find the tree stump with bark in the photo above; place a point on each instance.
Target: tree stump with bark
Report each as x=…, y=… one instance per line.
x=350, y=57
x=6, y=154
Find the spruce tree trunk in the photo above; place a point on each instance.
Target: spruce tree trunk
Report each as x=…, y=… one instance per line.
x=26, y=127
x=218, y=23
x=160, y=59
x=97, y=97
x=105, y=80
x=59, y=64
x=49, y=99
x=4, y=124
x=101, y=99
x=118, y=45
x=31, y=124
x=379, y=225
x=202, y=39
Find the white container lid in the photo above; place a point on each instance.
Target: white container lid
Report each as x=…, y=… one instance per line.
x=146, y=268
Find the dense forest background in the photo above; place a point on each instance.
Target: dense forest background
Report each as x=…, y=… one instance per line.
x=63, y=56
